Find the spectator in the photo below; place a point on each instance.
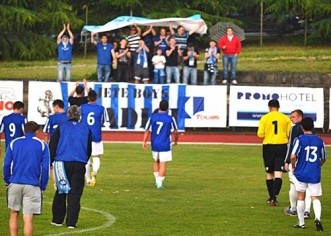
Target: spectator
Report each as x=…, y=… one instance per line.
x=161, y=41
x=70, y=149
x=123, y=56
x=172, y=61
x=105, y=53
x=12, y=125
x=230, y=45
x=190, y=71
x=64, y=51
x=212, y=54
x=26, y=173
x=80, y=97
x=133, y=44
x=159, y=64
x=141, y=69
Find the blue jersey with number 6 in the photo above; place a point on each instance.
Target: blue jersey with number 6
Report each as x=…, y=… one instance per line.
x=13, y=126
x=309, y=150
x=161, y=125
x=94, y=116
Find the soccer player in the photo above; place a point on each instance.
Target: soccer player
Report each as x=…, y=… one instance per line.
x=57, y=118
x=94, y=115
x=25, y=170
x=13, y=125
x=274, y=129
x=296, y=117
x=70, y=149
x=162, y=126
x=308, y=155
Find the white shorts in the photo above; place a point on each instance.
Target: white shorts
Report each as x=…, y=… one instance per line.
x=97, y=148
x=311, y=189
x=162, y=156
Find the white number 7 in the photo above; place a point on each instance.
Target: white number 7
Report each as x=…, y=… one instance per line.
x=160, y=124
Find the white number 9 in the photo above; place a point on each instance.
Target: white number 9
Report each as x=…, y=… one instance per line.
x=12, y=129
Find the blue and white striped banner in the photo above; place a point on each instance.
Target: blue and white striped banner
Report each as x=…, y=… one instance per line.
x=130, y=105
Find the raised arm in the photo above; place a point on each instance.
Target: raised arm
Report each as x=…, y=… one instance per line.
x=59, y=36
x=71, y=39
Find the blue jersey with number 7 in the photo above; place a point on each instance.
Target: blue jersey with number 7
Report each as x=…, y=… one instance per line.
x=161, y=125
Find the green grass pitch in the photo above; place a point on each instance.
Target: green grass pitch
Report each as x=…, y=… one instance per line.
x=209, y=190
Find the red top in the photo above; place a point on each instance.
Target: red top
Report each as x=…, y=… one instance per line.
x=232, y=47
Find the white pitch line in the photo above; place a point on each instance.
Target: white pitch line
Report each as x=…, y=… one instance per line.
x=110, y=220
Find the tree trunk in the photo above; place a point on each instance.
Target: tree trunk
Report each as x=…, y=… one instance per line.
x=261, y=23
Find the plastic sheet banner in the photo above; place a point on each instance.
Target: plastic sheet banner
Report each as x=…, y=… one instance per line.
x=249, y=103
x=10, y=92
x=130, y=105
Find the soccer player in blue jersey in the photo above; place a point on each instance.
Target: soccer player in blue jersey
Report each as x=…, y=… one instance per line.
x=94, y=115
x=26, y=173
x=55, y=119
x=12, y=125
x=308, y=155
x=161, y=126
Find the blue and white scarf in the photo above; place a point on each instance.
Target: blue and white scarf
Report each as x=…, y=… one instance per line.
x=211, y=59
x=62, y=182
x=142, y=58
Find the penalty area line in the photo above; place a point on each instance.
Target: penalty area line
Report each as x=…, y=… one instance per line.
x=110, y=221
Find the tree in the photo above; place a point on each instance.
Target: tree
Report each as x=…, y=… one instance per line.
x=27, y=27
x=309, y=10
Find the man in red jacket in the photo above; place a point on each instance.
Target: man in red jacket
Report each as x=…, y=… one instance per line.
x=230, y=46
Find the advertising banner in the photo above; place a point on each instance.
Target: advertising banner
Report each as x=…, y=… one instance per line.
x=249, y=103
x=130, y=105
x=10, y=92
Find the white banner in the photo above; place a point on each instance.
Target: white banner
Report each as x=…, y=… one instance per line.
x=130, y=105
x=249, y=103
x=10, y=92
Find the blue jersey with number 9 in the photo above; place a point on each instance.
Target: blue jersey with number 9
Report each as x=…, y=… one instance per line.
x=13, y=126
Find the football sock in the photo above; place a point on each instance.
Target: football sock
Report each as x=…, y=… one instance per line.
x=159, y=181
x=277, y=186
x=300, y=209
x=307, y=203
x=156, y=174
x=317, y=208
x=95, y=164
x=270, y=187
x=87, y=172
x=293, y=197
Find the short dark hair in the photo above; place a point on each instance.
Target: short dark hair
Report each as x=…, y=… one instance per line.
x=307, y=124
x=299, y=112
x=31, y=127
x=92, y=96
x=273, y=103
x=18, y=105
x=79, y=89
x=59, y=103
x=164, y=105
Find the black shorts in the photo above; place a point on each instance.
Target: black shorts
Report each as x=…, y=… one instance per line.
x=274, y=156
x=141, y=73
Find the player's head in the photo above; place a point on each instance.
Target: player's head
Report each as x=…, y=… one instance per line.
x=307, y=124
x=273, y=103
x=58, y=103
x=73, y=113
x=31, y=127
x=18, y=106
x=92, y=96
x=164, y=105
x=296, y=116
x=79, y=90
